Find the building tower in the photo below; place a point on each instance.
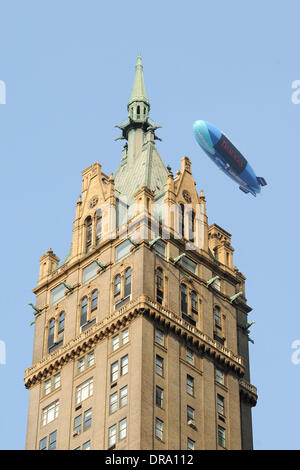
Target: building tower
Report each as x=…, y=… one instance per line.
x=141, y=332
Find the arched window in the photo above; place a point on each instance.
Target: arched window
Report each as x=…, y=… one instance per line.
x=117, y=285
x=51, y=332
x=144, y=111
x=194, y=302
x=138, y=112
x=159, y=285
x=98, y=225
x=61, y=328
x=192, y=226
x=127, y=289
x=183, y=299
x=217, y=316
x=94, y=304
x=83, y=313
x=88, y=233
x=181, y=220
x=61, y=322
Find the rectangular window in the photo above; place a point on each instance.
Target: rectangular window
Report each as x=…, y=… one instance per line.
x=87, y=421
x=190, y=413
x=217, y=315
x=220, y=378
x=220, y=404
x=56, y=381
x=122, y=428
x=80, y=365
x=113, y=403
x=159, y=397
x=114, y=371
x=159, y=365
x=52, y=441
x=77, y=424
x=190, y=444
x=159, y=337
x=50, y=413
x=124, y=365
x=190, y=385
x=84, y=390
x=190, y=356
x=57, y=294
x=159, y=429
x=125, y=336
x=123, y=396
x=194, y=302
x=43, y=444
x=221, y=436
x=86, y=445
x=112, y=434
x=47, y=387
x=183, y=299
x=89, y=272
x=115, y=343
x=123, y=250
x=188, y=264
x=90, y=360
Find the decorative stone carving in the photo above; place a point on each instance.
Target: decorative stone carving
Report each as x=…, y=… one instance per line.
x=94, y=202
x=186, y=196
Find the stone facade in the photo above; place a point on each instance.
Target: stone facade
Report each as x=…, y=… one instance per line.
x=142, y=335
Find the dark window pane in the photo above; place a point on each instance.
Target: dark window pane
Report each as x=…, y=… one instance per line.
x=183, y=299
x=127, y=290
x=83, y=316
x=159, y=396
x=51, y=332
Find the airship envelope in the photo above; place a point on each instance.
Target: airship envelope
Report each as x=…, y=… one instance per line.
x=227, y=157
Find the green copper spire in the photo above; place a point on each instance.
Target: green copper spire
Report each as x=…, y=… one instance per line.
x=138, y=89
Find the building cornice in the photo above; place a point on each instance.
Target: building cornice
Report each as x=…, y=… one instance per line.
x=120, y=318
x=248, y=392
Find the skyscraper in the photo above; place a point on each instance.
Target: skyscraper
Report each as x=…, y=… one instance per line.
x=141, y=332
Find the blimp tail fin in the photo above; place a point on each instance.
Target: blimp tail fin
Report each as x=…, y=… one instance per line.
x=261, y=181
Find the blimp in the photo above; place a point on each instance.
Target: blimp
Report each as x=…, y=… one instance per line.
x=227, y=157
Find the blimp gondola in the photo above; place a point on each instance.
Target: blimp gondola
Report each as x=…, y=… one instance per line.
x=227, y=157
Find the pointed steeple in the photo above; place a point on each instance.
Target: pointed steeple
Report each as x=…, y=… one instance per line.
x=138, y=121
x=138, y=105
x=138, y=90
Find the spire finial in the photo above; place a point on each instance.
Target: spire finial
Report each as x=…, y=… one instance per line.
x=138, y=90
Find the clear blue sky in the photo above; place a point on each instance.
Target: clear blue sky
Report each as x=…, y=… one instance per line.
x=68, y=67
